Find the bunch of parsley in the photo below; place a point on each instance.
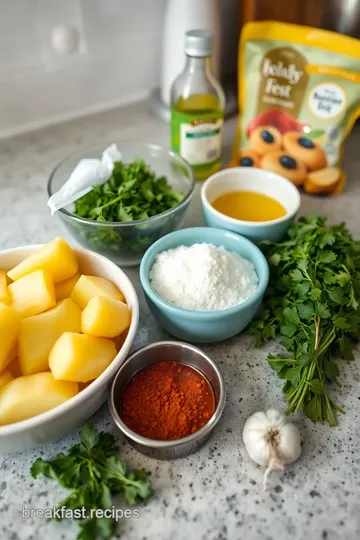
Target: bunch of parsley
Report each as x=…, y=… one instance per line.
x=313, y=302
x=93, y=473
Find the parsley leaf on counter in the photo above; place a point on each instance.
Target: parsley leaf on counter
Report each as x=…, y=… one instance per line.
x=312, y=301
x=93, y=472
x=132, y=192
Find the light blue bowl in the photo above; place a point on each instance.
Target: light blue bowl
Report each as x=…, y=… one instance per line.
x=204, y=326
x=250, y=179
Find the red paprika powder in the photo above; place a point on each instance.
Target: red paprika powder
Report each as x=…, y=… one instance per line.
x=167, y=401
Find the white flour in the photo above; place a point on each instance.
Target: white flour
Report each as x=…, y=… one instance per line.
x=203, y=277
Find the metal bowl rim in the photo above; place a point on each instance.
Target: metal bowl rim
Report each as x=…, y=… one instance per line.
x=202, y=432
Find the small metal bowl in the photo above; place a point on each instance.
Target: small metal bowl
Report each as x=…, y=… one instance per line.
x=152, y=354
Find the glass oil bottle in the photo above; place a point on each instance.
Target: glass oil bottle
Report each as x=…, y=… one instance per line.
x=197, y=108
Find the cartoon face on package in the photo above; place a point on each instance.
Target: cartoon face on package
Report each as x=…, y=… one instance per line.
x=299, y=98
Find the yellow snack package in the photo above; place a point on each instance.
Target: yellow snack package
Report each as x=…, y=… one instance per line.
x=299, y=97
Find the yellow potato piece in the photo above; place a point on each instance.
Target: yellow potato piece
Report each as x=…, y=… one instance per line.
x=14, y=368
x=83, y=385
x=56, y=257
x=4, y=291
x=105, y=317
x=80, y=358
x=120, y=340
x=29, y=396
x=88, y=287
x=9, y=329
x=33, y=294
x=65, y=288
x=5, y=377
x=14, y=350
x=39, y=333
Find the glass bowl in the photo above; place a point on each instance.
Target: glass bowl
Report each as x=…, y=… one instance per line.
x=125, y=243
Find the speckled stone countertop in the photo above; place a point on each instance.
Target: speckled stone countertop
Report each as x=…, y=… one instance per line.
x=214, y=494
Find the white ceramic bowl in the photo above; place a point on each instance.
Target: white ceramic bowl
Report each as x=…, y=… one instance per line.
x=250, y=179
x=53, y=424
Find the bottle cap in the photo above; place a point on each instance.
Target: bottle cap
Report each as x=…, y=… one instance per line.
x=198, y=43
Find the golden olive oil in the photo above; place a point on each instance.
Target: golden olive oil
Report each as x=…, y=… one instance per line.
x=249, y=206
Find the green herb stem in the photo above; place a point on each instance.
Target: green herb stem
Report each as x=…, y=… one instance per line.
x=110, y=203
x=313, y=301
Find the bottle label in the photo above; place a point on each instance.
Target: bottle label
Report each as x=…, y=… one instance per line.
x=198, y=137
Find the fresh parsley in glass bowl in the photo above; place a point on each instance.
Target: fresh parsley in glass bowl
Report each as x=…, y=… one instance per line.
x=145, y=198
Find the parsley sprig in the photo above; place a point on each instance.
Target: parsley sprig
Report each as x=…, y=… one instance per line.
x=313, y=302
x=93, y=473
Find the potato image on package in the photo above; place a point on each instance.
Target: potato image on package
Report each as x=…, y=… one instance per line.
x=248, y=158
x=265, y=139
x=305, y=150
x=285, y=165
x=323, y=181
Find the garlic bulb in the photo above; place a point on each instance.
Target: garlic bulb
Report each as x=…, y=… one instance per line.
x=271, y=441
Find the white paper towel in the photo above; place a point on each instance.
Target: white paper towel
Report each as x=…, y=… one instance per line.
x=87, y=173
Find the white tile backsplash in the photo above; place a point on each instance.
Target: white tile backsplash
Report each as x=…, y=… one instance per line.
x=128, y=24
x=20, y=44
x=50, y=15
x=117, y=61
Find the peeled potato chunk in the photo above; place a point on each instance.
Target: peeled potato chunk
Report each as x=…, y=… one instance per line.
x=29, y=396
x=5, y=377
x=14, y=368
x=14, y=350
x=9, y=329
x=4, y=291
x=105, y=317
x=39, y=333
x=83, y=385
x=65, y=288
x=33, y=294
x=88, y=287
x=76, y=357
x=120, y=340
x=56, y=257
